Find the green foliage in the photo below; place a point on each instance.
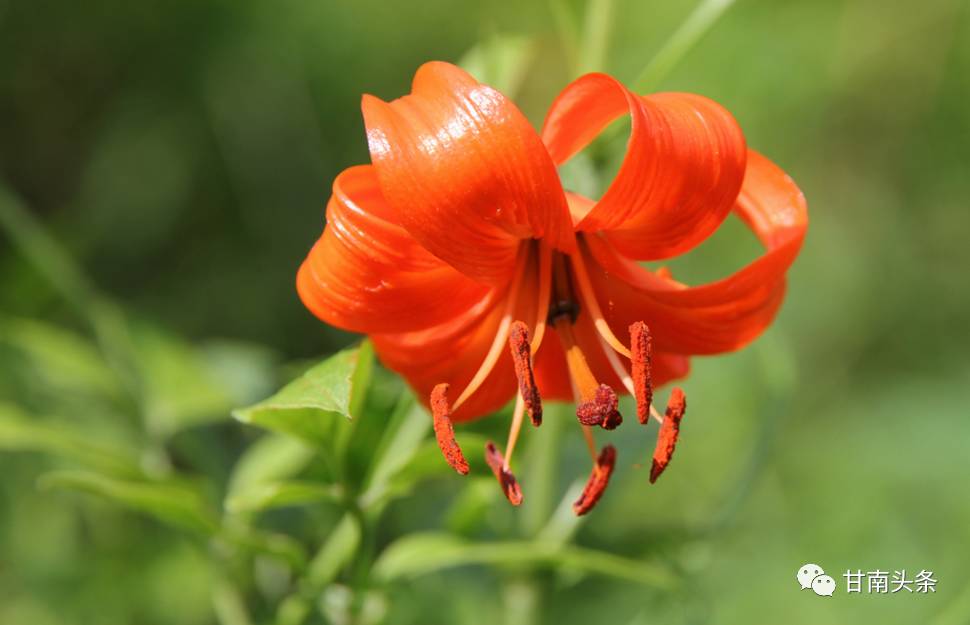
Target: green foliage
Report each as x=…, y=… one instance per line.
x=312, y=406
x=155, y=200
x=177, y=504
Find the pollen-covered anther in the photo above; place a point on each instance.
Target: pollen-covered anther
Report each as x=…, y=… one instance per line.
x=505, y=478
x=444, y=432
x=521, y=350
x=601, y=409
x=667, y=437
x=641, y=356
x=598, y=480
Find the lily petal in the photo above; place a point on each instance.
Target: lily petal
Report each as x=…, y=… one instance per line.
x=684, y=164
x=452, y=352
x=466, y=172
x=367, y=274
x=723, y=315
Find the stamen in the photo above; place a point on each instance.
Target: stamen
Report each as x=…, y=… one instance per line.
x=443, y=430
x=545, y=288
x=522, y=360
x=589, y=301
x=505, y=478
x=667, y=437
x=491, y=358
x=641, y=349
x=598, y=480
x=601, y=410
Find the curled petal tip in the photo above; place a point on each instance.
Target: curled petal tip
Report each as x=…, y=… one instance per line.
x=444, y=432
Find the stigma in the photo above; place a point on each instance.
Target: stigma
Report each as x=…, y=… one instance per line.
x=564, y=298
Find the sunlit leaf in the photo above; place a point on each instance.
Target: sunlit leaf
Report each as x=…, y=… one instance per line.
x=420, y=554
x=307, y=407
x=174, y=504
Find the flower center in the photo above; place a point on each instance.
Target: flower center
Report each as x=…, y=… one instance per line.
x=565, y=293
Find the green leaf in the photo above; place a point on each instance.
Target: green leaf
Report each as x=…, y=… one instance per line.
x=18, y=432
x=271, y=459
x=336, y=553
x=282, y=494
x=403, y=435
x=501, y=61
x=308, y=406
x=426, y=462
x=420, y=554
x=171, y=503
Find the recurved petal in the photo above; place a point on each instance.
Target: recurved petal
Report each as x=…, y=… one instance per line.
x=722, y=315
x=683, y=167
x=466, y=172
x=367, y=274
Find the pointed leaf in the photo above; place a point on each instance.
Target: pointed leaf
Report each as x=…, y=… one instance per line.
x=308, y=406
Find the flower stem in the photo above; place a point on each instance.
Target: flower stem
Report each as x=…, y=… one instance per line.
x=690, y=32
x=596, y=36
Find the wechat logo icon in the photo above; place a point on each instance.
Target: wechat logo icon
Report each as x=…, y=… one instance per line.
x=812, y=576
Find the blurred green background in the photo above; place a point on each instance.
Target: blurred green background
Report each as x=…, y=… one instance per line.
x=164, y=169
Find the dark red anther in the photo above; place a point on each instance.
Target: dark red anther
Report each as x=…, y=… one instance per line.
x=505, y=478
x=601, y=410
x=522, y=359
x=443, y=430
x=641, y=354
x=667, y=437
x=598, y=480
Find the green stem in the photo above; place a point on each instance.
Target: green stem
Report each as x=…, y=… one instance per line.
x=596, y=36
x=543, y=469
x=690, y=32
x=568, y=32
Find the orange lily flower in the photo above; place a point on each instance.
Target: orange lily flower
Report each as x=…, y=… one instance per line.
x=459, y=240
